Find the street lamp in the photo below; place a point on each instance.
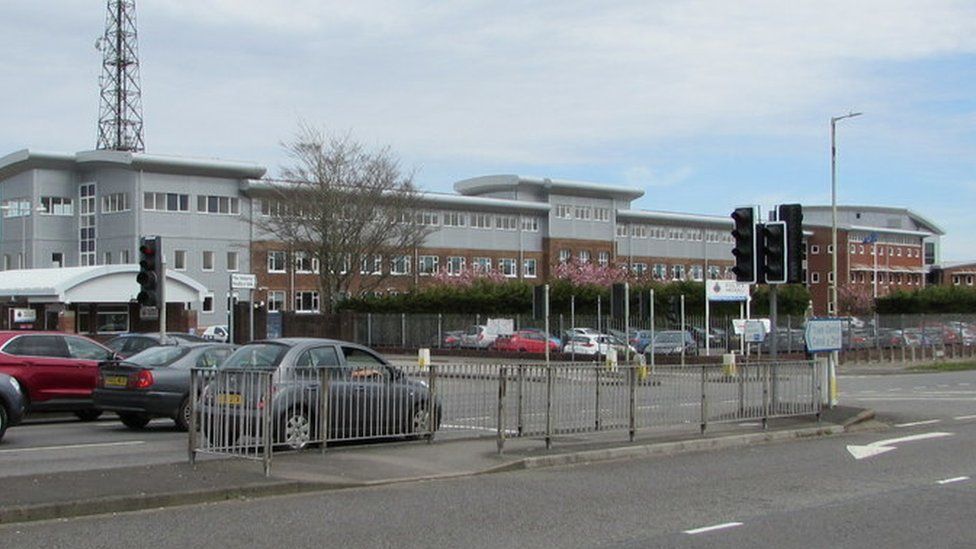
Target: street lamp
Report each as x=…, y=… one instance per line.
x=24, y=214
x=833, y=203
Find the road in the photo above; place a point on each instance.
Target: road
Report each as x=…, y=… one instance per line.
x=798, y=494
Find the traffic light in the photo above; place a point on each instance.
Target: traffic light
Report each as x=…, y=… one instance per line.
x=792, y=215
x=774, y=252
x=745, y=250
x=150, y=271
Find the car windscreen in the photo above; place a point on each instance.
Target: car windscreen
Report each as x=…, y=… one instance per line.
x=256, y=356
x=158, y=356
x=673, y=337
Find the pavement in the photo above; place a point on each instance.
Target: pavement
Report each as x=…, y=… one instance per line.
x=211, y=479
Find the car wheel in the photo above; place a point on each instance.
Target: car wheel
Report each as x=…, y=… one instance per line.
x=4, y=420
x=182, y=418
x=134, y=421
x=88, y=415
x=296, y=429
x=420, y=421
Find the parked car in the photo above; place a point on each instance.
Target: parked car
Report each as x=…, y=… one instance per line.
x=478, y=337
x=155, y=382
x=56, y=371
x=542, y=332
x=11, y=403
x=218, y=332
x=452, y=339
x=368, y=397
x=126, y=345
x=671, y=342
x=588, y=344
x=525, y=341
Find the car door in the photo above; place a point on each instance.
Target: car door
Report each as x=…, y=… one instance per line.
x=382, y=405
x=46, y=372
x=84, y=355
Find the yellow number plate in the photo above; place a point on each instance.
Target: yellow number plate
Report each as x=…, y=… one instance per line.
x=230, y=399
x=116, y=381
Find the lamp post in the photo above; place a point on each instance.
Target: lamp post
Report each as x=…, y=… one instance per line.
x=833, y=204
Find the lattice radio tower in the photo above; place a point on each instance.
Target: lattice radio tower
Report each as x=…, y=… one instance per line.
x=120, y=108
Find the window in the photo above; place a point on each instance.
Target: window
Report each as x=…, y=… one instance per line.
x=696, y=272
x=428, y=218
x=6, y=262
x=506, y=222
x=601, y=214
x=564, y=256
x=208, y=303
x=482, y=264
x=107, y=258
x=18, y=207
x=276, y=300
x=179, y=260
x=678, y=272
x=603, y=258
x=714, y=271
x=529, y=268
x=481, y=221
x=123, y=256
x=223, y=205
x=830, y=248
x=854, y=248
x=306, y=302
x=57, y=260
x=660, y=271
x=86, y=224
x=814, y=278
x=208, y=261
x=305, y=263
x=530, y=224
x=455, y=265
x=455, y=219
x=621, y=230
x=584, y=256
x=584, y=213
x=371, y=265
x=427, y=264
x=638, y=231
x=166, y=202
x=276, y=262
x=116, y=202
x=830, y=277
x=814, y=249
x=57, y=205
x=231, y=261
x=507, y=266
x=639, y=268
x=564, y=211
x=400, y=265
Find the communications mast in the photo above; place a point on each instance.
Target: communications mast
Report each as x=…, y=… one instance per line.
x=120, y=107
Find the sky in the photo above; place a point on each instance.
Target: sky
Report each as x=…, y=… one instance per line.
x=706, y=105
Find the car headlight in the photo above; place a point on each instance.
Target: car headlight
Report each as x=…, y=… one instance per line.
x=15, y=384
x=422, y=383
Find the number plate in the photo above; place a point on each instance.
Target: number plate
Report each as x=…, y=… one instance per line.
x=230, y=398
x=116, y=381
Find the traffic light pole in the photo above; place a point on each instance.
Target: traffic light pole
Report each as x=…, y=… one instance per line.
x=162, y=297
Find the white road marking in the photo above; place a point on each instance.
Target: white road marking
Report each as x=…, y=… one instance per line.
x=704, y=529
x=951, y=480
x=74, y=446
x=882, y=446
x=961, y=418
x=917, y=423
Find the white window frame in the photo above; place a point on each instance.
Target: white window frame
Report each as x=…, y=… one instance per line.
x=455, y=265
x=234, y=265
x=529, y=268
x=284, y=261
x=482, y=264
x=203, y=261
x=179, y=260
x=203, y=304
x=115, y=203
x=299, y=298
x=508, y=267
x=275, y=304
x=400, y=265
x=427, y=265
x=56, y=206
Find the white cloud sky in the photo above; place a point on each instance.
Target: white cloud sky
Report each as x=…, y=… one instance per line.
x=659, y=93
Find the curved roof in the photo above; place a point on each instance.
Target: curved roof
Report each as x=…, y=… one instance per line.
x=510, y=183
x=27, y=159
x=97, y=284
x=675, y=217
x=919, y=219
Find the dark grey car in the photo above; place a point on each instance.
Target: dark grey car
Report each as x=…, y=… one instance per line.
x=155, y=382
x=11, y=403
x=368, y=397
x=126, y=345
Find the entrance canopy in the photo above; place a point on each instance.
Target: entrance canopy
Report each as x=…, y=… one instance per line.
x=98, y=284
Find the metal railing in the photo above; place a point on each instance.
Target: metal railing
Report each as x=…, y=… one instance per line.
x=255, y=413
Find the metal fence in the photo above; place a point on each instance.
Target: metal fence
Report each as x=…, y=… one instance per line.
x=254, y=413
x=875, y=337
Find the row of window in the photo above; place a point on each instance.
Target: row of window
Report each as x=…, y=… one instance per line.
x=958, y=280
x=582, y=213
x=656, y=232
x=399, y=265
x=206, y=261
x=177, y=202
x=893, y=251
x=894, y=278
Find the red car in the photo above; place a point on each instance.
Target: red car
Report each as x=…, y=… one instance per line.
x=525, y=342
x=56, y=371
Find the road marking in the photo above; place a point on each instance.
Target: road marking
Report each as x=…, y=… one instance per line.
x=882, y=446
x=74, y=446
x=704, y=529
x=917, y=423
x=960, y=418
x=951, y=480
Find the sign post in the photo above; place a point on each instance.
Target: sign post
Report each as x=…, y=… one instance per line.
x=826, y=335
x=721, y=290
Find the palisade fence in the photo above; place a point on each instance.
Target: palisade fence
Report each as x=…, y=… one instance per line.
x=256, y=413
x=878, y=338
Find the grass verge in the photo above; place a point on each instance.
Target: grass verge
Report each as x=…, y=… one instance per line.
x=945, y=367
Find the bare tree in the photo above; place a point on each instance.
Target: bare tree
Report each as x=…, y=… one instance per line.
x=342, y=207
